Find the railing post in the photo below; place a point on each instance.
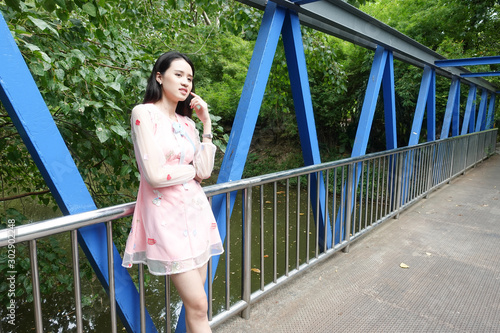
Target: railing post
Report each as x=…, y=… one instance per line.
x=111, y=274
x=76, y=280
x=247, y=239
x=142, y=300
x=167, y=304
x=451, y=160
x=432, y=149
x=37, y=302
x=349, y=208
x=467, y=139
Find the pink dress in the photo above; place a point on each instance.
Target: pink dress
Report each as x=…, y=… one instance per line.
x=173, y=228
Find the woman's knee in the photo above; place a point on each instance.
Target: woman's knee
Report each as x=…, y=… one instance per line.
x=198, y=306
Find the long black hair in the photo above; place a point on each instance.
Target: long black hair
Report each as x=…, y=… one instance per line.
x=154, y=90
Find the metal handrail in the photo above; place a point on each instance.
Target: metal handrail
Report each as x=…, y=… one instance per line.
x=373, y=188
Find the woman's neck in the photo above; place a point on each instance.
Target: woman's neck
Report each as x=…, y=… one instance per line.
x=167, y=107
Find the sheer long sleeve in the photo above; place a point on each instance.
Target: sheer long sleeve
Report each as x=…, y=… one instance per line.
x=150, y=156
x=204, y=159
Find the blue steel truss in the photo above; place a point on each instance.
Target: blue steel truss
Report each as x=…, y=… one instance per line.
x=24, y=103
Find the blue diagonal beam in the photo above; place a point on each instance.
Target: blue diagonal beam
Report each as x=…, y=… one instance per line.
x=377, y=72
x=29, y=113
x=469, y=110
x=297, y=71
x=370, y=102
x=490, y=120
x=481, y=114
x=451, y=107
x=425, y=87
x=248, y=107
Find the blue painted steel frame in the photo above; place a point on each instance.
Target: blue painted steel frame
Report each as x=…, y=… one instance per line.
x=491, y=112
x=426, y=98
x=25, y=105
x=382, y=72
x=451, y=115
x=470, y=111
x=481, y=115
x=276, y=21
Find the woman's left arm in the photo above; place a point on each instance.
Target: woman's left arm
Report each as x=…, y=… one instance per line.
x=205, y=152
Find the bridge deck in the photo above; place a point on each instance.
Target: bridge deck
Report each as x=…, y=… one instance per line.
x=451, y=243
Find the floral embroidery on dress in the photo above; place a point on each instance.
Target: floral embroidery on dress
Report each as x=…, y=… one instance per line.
x=169, y=177
x=151, y=241
x=214, y=225
x=137, y=122
x=157, y=200
x=176, y=266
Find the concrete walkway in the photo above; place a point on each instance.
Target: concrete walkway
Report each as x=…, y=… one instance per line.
x=451, y=243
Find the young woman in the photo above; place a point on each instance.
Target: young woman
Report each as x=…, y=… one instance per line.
x=173, y=229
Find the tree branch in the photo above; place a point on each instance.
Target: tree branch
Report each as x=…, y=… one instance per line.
x=23, y=195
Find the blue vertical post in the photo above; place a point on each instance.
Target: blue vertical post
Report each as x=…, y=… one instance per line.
x=431, y=108
x=482, y=111
x=297, y=71
x=469, y=110
x=450, y=107
x=389, y=94
x=455, y=121
x=249, y=106
x=29, y=113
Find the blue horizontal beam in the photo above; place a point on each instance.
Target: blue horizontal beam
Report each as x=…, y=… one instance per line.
x=480, y=74
x=468, y=61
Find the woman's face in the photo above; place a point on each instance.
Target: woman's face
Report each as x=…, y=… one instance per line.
x=176, y=81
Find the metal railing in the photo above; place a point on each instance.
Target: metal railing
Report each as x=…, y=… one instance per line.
x=276, y=236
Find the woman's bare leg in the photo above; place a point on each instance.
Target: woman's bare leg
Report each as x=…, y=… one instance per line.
x=190, y=286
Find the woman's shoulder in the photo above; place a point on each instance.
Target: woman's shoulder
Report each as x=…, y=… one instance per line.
x=144, y=107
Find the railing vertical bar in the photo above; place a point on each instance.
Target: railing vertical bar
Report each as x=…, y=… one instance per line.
x=142, y=298
x=400, y=185
x=287, y=226
x=352, y=207
x=378, y=190
x=168, y=313
x=262, y=280
x=350, y=185
x=394, y=182
x=297, y=245
x=228, y=250
x=450, y=175
x=76, y=280
x=247, y=252
x=382, y=201
x=210, y=290
x=361, y=192
x=275, y=232
x=317, y=213
x=111, y=275
x=367, y=192
x=325, y=216
x=37, y=301
x=334, y=208
x=209, y=280
x=308, y=219
x=343, y=189
x=373, y=192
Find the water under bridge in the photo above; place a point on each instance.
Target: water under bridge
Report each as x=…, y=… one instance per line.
x=432, y=268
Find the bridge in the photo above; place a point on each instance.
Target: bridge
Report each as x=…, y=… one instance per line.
x=323, y=207
x=434, y=269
